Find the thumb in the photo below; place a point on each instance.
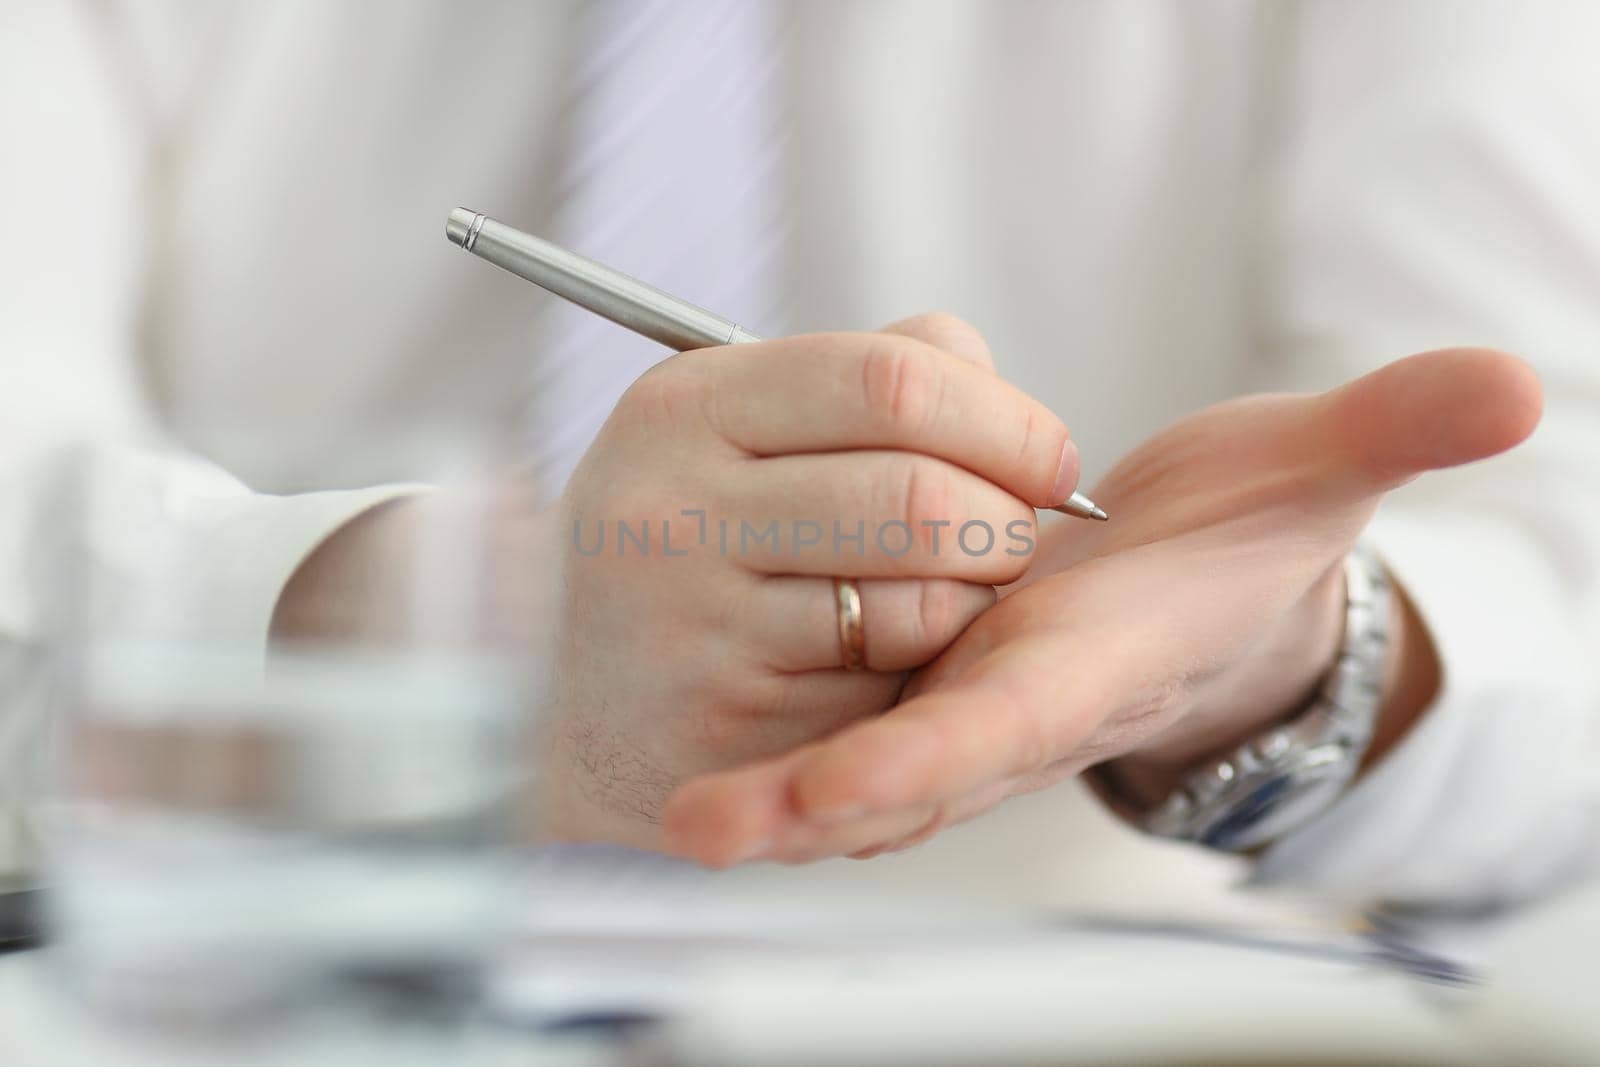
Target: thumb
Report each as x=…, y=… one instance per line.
x=1434, y=410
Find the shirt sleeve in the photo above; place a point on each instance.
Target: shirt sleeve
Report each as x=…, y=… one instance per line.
x=115, y=540
x=1434, y=180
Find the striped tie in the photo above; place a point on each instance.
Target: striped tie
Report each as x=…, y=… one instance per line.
x=673, y=176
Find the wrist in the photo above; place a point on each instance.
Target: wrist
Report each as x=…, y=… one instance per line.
x=340, y=592
x=479, y=557
x=1277, y=681
x=1249, y=795
x=1233, y=715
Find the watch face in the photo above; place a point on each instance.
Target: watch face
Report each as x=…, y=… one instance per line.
x=20, y=918
x=1238, y=829
x=1274, y=804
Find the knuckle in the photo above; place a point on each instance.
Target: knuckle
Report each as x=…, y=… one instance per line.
x=1040, y=438
x=670, y=393
x=956, y=336
x=720, y=734
x=943, y=324
x=737, y=722
x=1010, y=565
x=923, y=492
x=901, y=383
x=939, y=612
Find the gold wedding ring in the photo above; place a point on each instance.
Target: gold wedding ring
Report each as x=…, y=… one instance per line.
x=852, y=634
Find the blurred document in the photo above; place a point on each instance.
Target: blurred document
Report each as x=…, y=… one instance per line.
x=609, y=933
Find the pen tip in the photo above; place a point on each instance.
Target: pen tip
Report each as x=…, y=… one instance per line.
x=1081, y=506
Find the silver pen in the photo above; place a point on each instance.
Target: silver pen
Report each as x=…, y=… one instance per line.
x=628, y=302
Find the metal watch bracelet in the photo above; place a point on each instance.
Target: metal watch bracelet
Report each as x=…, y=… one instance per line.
x=1286, y=776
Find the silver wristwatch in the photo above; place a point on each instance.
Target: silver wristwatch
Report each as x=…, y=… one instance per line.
x=1286, y=776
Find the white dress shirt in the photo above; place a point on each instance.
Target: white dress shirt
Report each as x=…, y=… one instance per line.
x=240, y=267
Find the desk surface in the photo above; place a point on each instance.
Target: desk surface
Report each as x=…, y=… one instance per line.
x=1054, y=998
x=1039, y=998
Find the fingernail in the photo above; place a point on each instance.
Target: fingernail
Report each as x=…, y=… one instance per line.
x=757, y=849
x=1066, y=474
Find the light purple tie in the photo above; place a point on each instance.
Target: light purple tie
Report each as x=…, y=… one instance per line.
x=673, y=176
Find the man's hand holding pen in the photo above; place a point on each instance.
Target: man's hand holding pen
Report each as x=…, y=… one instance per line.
x=708, y=525
x=702, y=544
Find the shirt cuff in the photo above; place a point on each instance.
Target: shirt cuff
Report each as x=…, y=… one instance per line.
x=247, y=548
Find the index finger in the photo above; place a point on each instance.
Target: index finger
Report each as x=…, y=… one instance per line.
x=847, y=391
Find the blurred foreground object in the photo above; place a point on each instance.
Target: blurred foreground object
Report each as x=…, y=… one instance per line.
x=225, y=837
